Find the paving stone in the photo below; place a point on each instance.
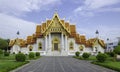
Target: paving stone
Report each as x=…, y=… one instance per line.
x=61, y=64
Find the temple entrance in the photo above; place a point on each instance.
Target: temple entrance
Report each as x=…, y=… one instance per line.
x=55, y=46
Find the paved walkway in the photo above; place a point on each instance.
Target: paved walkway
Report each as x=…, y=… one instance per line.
x=62, y=64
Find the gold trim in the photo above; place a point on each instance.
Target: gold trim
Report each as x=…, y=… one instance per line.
x=55, y=40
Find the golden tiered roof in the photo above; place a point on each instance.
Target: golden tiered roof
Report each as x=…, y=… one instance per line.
x=12, y=42
x=68, y=28
x=73, y=31
x=38, y=31
x=20, y=42
x=29, y=39
x=82, y=39
x=91, y=42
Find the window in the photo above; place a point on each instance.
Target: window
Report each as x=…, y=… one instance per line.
x=81, y=48
x=110, y=43
x=71, y=45
x=30, y=48
x=96, y=49
x=40, y=46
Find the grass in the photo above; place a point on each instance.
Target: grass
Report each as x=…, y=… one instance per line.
x=93, y=58
x=36, y=57
x=10, y=57
x=109, y=64
x=7, y=65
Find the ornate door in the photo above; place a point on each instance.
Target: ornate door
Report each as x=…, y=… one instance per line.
x=55, y=46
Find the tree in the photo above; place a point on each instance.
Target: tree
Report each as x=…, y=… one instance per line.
x=117, y=50
x=119, y=43
x=3, y=44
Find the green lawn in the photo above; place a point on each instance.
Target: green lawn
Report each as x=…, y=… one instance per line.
x=93, y=58
x=7, y=65
x=110, y=64
x=10, y=57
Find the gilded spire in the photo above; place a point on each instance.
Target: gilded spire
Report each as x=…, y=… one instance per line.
x=56, y=11
x=97, y=34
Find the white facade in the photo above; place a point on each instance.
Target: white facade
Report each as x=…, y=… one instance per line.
x=62, y=48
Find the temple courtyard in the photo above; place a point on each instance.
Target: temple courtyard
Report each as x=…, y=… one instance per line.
x=61, y=64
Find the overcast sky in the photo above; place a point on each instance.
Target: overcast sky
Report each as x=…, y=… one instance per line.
x=87, y=15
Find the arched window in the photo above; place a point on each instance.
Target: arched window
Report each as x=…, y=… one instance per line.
x=30, y=48
x=96, y=49
x=71, y=45
x=40, y=46
x=81, y=48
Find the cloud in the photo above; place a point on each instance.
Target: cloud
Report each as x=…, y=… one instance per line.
x=104, y=32
x=90, y=7
x=18, y=7
x=96, y=4
x=109, y=10
x=9, y=26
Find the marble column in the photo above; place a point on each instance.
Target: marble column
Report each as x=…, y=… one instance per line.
x=49, y=42
x=66, y=43
x=46, y=43
x=61, y=41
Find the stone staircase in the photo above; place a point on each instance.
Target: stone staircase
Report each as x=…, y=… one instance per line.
x=57, y=53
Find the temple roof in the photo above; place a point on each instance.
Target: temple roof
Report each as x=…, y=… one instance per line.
x=20, y=42
x=91, y=42
x=68, y=28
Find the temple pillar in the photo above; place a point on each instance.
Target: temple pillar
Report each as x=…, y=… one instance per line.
x=66, y=43
x=49, y=41
x=46, y=43
x=62, y=42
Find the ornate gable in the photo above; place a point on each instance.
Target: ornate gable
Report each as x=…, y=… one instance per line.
x=56, y=25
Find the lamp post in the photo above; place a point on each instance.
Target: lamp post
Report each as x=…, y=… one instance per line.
x=97, y=33
x=107, y=44
x=18, y=33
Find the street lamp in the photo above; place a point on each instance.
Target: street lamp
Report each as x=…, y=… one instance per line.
x=18, y=33
x=97, y=33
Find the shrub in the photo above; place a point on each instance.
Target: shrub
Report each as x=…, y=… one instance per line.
x=6, y=53
x=111, y=54
x=13, y=52
x=20, y=57
x=19, y=51
x=1, y=51
x=108, y=53
x=101, y=57
x=99, y=52
x=117, y=50
x=77, y=54
x=85, y=55
x=31, y=55
x=37, y=54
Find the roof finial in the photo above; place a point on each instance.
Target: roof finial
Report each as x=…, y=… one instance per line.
x=56, y=11
x=18, y=33
x=97, y=33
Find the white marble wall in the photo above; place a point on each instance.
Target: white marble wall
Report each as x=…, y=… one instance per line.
x=15, y=49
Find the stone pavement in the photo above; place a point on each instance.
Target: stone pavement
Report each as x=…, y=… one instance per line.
x=61, y=64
